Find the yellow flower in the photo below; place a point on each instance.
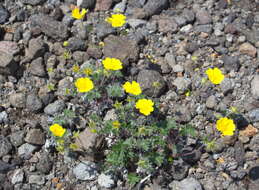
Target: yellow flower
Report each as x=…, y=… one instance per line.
x=145, y=106
x=132, y=88
x=87, y=71
x=226, y=126
x=65, y=43
x=116, y=20
x=112, y=64
x=84, y=84
x=215, y=75
x=116, y=124
x=57, y=130
x=77, y=14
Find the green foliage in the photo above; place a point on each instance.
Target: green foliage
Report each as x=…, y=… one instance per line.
x=115, y=90
x=133, y=179
x=65, y=118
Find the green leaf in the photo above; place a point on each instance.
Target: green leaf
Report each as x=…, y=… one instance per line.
x=133, y=179
x=115, y=91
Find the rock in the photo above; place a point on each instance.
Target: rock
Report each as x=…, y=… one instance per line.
x=7, y=64
x=64, y=87
x=231, y=29
x=255, y=87
x=17, y=138
x=227, y=86
x=167, y=24
x=89, y=142
x=37, y=179
x=37, y=48
x=120, y=7
x=254, y=173
x=18, y=176
x=33, y=103
x=178, y=68
x=75, y=44
x=239, y=153
x=182, y=84
x=180, y=170
x=55, y=107
x=254, y=143
x=4, y=15
x=248, y=49
x=151, y=83
x=9, y=47
x=45, y=96
x=191, y=47
x=186, y=184
x=121, y=48
x=189, y=15
x=44, y=165
x=49, y=26
x=186, y=29
x=180, y=20
x=203, y=17
x=153, y=7
x=207, y=28
x=231, y=63
x=32, y=2
x=104, y=29
x=170, y=59
x=249, y=131
x=252, y=36
x=37, y=67
x=26, y=150
x=135, y=23
x=103, y=5
x=85, y=171
x=3, y=117
x=211, y=102
x=110, y=115
x=18, y=100
x=5, y=146
x=254, y=115
x=106, y=181
x=88, y=4
x=182, y=114
x=5, y=167
x=35, y=136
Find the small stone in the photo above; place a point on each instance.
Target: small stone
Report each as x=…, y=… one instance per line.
x=231, y=29
x=249, y=131
x=191, y=47
x=7, y=64
x=26, y=150
x=85, y=171
x=170, y=59
x=103, y=5
x=151, y=82
x=3, y=117
x=44, y=165
x=32, y=2
x=203, y=17
x=35, y=136
x=189, y=15
x=254, y=143
x=103, y=30
x=55, y=107
x=18, y=100
x=167, y=24
x=36, y=49
x=187, y=28
x=231, y=63
x=121, y=48
x=207, y=28
x=18, y=176
x=37, y=68
x=5, y=146
x=64, y=87
x=186, y=184
x=106, y=181
x=135, y=23
x=154, y=7
x=178, y=68
x=33, y=103
x=37, y=179
x=248, y=49
x=88, y=4
x=17, y=138
x=255, y=87
x=182, y=84
x=94, y=51
x=75, y=44
x=211, y=102
x=227, y=86
x=254, y=115
x=4, y=15
x=9, y=47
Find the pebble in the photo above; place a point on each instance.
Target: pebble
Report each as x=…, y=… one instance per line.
x=45, y=164
x=5, y=146
x=7, y=64
x=32, y=2
x=187, y=28
x=106, y=181
x=55, y=107
x=135, y=23
x=35, y=136
x=211, y=102
x=9, y=47
x=18, y=100
x=17, y=138
x=4, y=15
x=203, y=17
x=255, y=87
x=231, y=63
x=3, y=117
x=254, y=115
x=37, y=179
x=18, y=176
x=85, y=171
x=227, y=86
x=26, y=150
x=182, y=84
x=88, y=4
x=186, y=184
x=33, y=103
x=248, y=49
x=37, y=67
x=155, y=7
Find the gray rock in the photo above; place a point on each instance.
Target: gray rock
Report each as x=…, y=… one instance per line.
x=110, y=115
x=4, y=15
x=103, y=29
x=5, y=167
x=170, y=59
x=231, y=62
x=252, y=35
x=182, y=84
x=17, y=138
x=5, y=146
x=186, y=184
x=33, y=103
x=191, y=47
x=3, y=117
x=207, y=28
x=9, y=47
x=37, y=67
x=35, y=136
x=45, y=164
x=227, y=86
x=178, y=68
x=121, y=48
x=180, y=20
x=64, y=85
x=88, y=4
x=85, y=171
x=151, y=82
x=32, y=2
x=37, y=179
x=37, y=48
x=211, y=102
x=189, y=15
x=255, y=87
x=254, y=143
x=18, y=176
x=18, y=100
x=167, y=24
x=239, y=153
x=155, y=7
x=254, y=115
x=203, y=17
x=106, y=181
x=75, y=44
x=49, y=26
x=120, y=7
x=55, y=107
x=248, y=49
x=135, y=23
x=26, y=150
x=7, y=64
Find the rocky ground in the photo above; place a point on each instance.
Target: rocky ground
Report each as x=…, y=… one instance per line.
x=169, y=41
